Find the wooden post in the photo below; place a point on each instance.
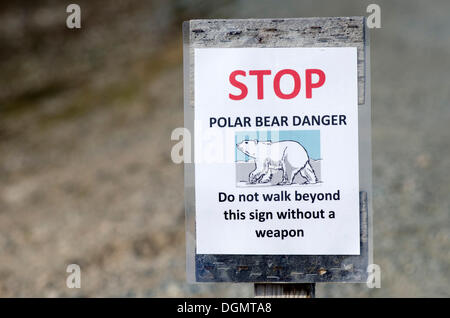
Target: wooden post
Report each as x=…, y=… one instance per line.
x=286, y=290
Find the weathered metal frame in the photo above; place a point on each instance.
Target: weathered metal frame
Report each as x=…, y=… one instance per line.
x=301, y=32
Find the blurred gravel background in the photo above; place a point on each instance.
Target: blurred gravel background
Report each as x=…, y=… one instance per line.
x=85, y=123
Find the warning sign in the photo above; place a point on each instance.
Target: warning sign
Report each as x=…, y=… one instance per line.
x=276, y=151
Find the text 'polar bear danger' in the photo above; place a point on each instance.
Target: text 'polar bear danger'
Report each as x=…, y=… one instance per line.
x=278, y=121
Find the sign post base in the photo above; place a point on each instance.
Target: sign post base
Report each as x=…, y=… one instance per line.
x=286, y=290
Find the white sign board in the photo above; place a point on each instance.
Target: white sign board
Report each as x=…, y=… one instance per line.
x=276, y=151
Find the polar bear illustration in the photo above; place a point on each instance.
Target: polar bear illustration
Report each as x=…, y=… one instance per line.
x=288, y=156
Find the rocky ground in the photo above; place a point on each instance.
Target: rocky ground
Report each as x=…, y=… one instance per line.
x=85, y=123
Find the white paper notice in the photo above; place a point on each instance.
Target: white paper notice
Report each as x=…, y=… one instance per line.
x=276, y=151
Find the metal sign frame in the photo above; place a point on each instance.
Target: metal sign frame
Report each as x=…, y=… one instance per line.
x=264, y=33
